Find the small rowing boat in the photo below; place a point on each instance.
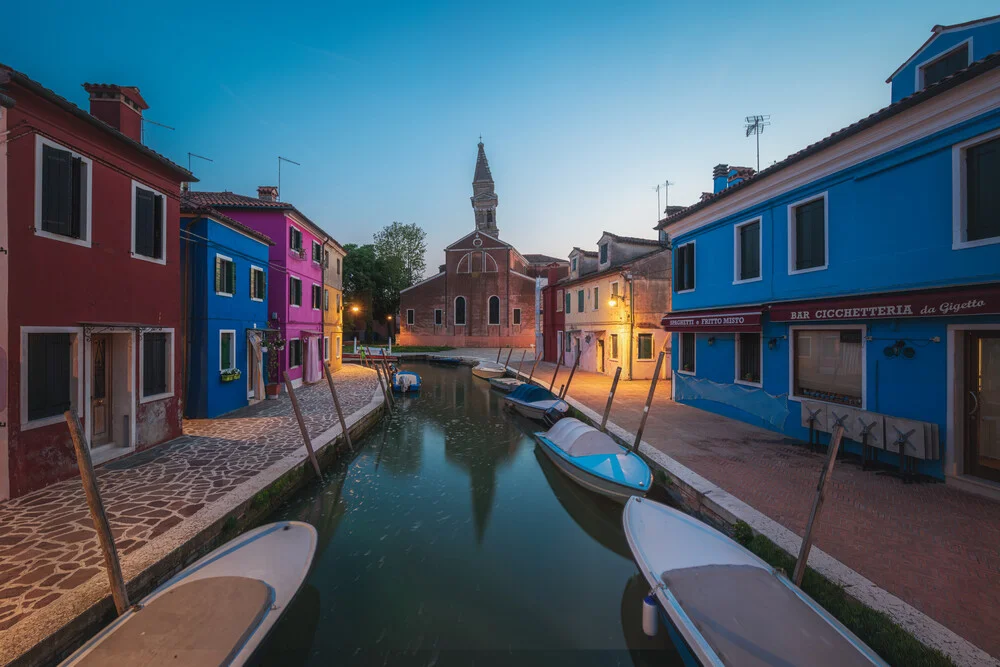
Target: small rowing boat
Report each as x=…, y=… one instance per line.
x=505, y=385
x=538, y=403
x=595, y=461
x=488, y=369
x=215, y=612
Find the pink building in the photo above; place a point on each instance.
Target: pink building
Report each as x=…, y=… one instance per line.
x=295, y=293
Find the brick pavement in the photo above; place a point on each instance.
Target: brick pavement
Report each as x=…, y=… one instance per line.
x=48, y=546
x=931, y=545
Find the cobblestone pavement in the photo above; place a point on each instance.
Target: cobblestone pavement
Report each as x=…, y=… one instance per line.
x=931, y=545
x=48, y=545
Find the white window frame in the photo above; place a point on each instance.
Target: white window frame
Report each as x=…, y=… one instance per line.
x=301, y=353
x=736, y=365
x=436, y=311
x=87, y=224
x=260, y=270
x=316, y=244
x=170, y=366
x=76, y=354
x=163, y=234
x=615, y=345
x=573, y=262
x=219, y=256
x=301, y=235
x=959, y=215
x=613, y=288
x=409, y=317
x=737, y=255
x=918, y=72
x=338, y=345
x=694, y=254
x=516, y=315
x=836, y=327
x=680, y=352
x=488, y=310
x=652, y=347
x=232, y=349
x=312, y=290
x=326, y=348
x=454, y=311
x=299, y=304
x=791, y=234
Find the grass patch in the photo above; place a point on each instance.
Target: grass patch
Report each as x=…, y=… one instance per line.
x=893, y=643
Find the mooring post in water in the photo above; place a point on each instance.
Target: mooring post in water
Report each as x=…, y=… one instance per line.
x=388, y=381
x=302, y=425
x=336, y=404
x=824, y=476
x=385, y=394
x=533, y=365
x=97, y=513
x=506, y=364
x=518, y=374
x=499, y=350
x=649, y=401
x=611, y=397
x=571, y=373
x=558, y=364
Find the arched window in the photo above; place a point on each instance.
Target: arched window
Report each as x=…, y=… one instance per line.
x=494, y=310
x=459, y=310
x=489, y=216
x=489, y=264
x=463, y=264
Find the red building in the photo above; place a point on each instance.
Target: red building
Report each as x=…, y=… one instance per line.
x=89, y=281
x=553, y=317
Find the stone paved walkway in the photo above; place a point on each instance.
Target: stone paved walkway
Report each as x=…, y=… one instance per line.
x=48, y=546
x=931, y=545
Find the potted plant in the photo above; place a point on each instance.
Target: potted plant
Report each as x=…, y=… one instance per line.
x=275, y=345
x=230, y=375
x=688, y=368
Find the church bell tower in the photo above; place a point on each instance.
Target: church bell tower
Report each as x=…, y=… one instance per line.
x=484, y=199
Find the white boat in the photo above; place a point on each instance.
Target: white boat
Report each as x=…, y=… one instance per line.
x=595, y=461
x=537, y=403
x=215, y=612
x=505, y=385
x=731, y=607
x=488, y=369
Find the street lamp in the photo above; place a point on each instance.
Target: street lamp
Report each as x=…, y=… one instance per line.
x=612, y=302
x=355, y=309
x=388, y=317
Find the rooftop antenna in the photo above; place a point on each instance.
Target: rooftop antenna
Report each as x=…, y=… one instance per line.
x=666, y=195
x=755, y=125
x=142, y=136
x=280, y=160
x=200, y=157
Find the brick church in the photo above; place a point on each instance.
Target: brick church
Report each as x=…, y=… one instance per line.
x=485, y=293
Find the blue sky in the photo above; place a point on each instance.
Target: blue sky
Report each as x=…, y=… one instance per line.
x=583, y=107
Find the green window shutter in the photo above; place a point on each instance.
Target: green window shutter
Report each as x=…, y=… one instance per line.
x=232, y=277
x=218, y=273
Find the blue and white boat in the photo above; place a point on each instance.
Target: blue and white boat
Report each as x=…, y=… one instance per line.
x=595, y=461
x=405, y=382
x=538, y=403
x=729, y=606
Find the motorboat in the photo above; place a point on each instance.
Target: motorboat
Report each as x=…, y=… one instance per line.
x=537, y=403
x=215, y=612
x=595, y=461
x=488, y=369
x=505, y=385
x=405, y=382
x=729, y=606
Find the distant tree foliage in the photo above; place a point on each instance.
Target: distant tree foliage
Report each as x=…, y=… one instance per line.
x=401, y=248
x=375, y=273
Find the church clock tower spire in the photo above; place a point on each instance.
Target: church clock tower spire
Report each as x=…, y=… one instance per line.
x=484, y=198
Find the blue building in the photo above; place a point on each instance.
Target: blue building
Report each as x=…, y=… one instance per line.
x=224, y=273
x=858, y=280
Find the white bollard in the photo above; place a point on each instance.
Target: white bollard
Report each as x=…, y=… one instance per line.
x=650, y=615
x=355, y=345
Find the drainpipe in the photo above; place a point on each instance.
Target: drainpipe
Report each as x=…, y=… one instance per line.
x=631, y=322
x=185, y=319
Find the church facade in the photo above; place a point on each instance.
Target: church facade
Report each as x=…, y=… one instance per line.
x=484, y=294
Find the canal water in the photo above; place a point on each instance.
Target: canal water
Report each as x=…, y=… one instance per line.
x=451, y=539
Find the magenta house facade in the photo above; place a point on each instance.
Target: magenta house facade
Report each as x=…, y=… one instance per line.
x=295, y=292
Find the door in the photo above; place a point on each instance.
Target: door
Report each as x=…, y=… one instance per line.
x=100, y=393
x=982, y=401
x=600, y=355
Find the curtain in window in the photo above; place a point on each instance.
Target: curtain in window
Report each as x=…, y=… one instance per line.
x=810, y=235
x=983, y=191
x=257, y=378
x=750, y=251
x=749, y=357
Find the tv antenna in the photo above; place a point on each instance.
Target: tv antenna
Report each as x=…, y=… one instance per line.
x=665, y=186
x=142, y=133
x=755, y=125
x=200, y=157
x=280, y=160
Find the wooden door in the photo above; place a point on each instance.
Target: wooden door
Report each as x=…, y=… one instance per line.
x=982, y=403
x=100, y=389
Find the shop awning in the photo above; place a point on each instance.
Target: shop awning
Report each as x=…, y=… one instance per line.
x=972, y=300
x=717, y=321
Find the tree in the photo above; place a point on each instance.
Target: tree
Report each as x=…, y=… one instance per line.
x=401, y=248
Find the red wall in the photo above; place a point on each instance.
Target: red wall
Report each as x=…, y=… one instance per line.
x=554, y=320
x=59, y=284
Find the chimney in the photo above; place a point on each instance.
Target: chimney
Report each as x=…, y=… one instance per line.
x=267, y=193
x=720, y=177
x=120, y=107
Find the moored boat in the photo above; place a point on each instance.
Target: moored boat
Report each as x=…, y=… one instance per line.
x=537, y=403
x=505, y=385
x=446, y=361
x=595, y=461
x=215, y=612
x=405, y=382
x=488, y=369
x=731, y=607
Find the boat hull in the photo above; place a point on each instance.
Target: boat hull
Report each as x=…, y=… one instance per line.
x=488, y=373
x=616, y=492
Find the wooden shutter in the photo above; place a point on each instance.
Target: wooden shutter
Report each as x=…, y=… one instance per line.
x=145, y=213
x=218, y=274
x=157, y=227
x=76, y=199
x=231, y=277
x=57, y=191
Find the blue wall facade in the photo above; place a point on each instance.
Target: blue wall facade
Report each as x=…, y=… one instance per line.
x=890, y=229
x=209, y=313
x=985, y=40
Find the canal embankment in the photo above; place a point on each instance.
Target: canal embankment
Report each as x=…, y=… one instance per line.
x=890, y=547
x=167, y=507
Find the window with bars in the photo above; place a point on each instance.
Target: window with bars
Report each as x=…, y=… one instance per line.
x=225, y=276
x=684, y=267
x=65, y=191
x=258, y=284
x=155, y=363
x=148, y=222
x=748, y=352
x=50, y=374
x=317, y=296
x=808, y=235
x=294, y=353
x=294, y=291
x=748, y=251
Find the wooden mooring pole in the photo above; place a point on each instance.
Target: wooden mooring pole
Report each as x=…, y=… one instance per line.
x=572, y=372
x=388, y=382
x=534, y=364
x=336, y=404
x=649, y=401
x=385, y=394
x=302, y=425
x=611, y=397
x=518, y=374
x=800, y=564
x=558, y=364
x=506, y=364
x=97, y=513
x=499, y=350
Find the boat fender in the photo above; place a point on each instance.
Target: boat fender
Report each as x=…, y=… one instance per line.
x=650, y=616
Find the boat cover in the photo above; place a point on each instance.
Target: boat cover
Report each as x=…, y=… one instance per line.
x=594, y=452
x=530, y=393
x=578, y=439
x=406, y=379
x=490, y=366
x=715, y=591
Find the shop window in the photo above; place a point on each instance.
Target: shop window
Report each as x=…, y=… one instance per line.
x=644, y=351
x=687, y=360
x=828, y=365
x=748, y=359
